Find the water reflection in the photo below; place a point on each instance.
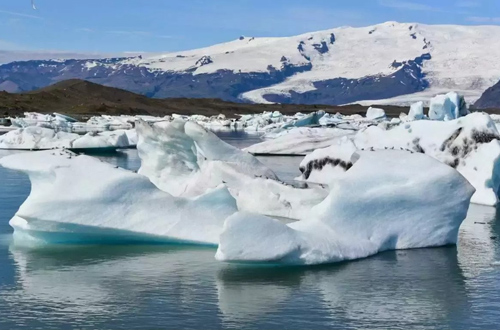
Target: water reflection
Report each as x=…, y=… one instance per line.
x=478, y=240
x=100, y=283
x=395, y=288
x=185, y=287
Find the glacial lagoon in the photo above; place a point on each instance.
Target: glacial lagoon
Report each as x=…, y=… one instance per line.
x=138, y=286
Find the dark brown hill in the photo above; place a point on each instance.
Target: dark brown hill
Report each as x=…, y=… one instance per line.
x=82, y=98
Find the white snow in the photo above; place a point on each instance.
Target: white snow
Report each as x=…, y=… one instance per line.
x=79, y=199
x=387, y=200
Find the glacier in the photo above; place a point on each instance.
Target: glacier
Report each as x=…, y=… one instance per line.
x=387, y=200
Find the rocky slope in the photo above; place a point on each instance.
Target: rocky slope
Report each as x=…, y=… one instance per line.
x=79, y=97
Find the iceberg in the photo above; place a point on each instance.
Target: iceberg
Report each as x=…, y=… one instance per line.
x=375, y=113
x=470, y=144
x=447, y=107
x=184, y=159
x=40, y=138
x=80, y=199
x=416, y=111
x=298, y=141
x=386, y=200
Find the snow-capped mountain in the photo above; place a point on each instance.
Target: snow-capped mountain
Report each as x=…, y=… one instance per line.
x=386, y=63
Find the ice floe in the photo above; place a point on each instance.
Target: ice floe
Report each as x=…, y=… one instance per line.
x=40, y=138
x=385, y=201
x=80, y=199
x=185, y=159
x=470, y=144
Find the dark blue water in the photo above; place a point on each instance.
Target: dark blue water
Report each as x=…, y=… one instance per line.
x=162, y=287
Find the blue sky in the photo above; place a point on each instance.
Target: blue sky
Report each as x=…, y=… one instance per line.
x=115, y=26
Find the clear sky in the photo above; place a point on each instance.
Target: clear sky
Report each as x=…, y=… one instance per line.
x=115, y=26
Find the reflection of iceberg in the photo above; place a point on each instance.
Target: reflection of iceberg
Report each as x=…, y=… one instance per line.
x=386, y=200
x=97, y=283
x=78, y=199
x=477, y=240
x=249, y=293
x=397, y=289
x=400, y=288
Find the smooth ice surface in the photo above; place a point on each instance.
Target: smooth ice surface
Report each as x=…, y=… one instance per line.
x=387, y=200
x=80, y=199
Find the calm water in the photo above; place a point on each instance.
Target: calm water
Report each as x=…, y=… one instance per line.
x=146, y=287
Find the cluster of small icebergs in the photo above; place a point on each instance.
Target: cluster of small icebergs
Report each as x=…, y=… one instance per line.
x=383, y=184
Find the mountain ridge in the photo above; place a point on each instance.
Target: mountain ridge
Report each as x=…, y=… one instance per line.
x=83, y=98
x=336, y=66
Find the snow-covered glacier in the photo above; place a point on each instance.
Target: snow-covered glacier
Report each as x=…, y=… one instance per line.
x=387, y=200
x=470, y=144
x=80, y=199
x=387, y=63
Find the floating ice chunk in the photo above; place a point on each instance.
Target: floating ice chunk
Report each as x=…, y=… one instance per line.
x=33, y=137
x=308, y=120
x=448, y=107
x=298, y=141
x=441, y=108
x=79, y=199
x=387, y=200
x=184, y=159
x=40, y=138
x=471, y=144
x=459, y=106
x=416, y=111
x=327, y=164
x=107, y=139
x=375, y=113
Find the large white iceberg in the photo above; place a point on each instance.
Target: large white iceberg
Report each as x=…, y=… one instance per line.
x=40, y=138
x=386, y=200
x=470, y=144
x=184, y=159
x=80, y=199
